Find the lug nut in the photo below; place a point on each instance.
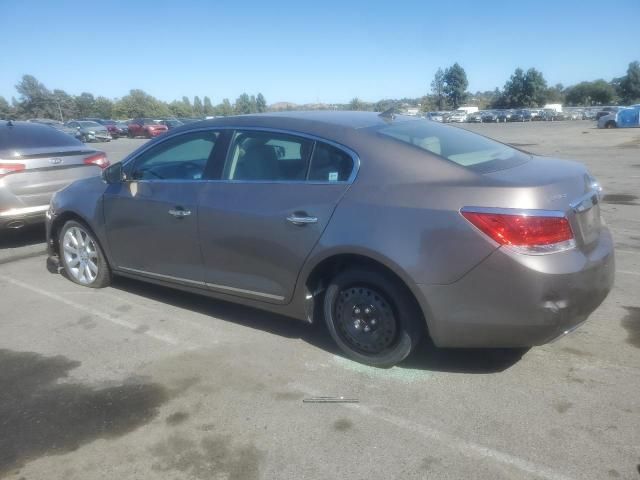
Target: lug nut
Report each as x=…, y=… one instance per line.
x=357, y=311
x=367, y=310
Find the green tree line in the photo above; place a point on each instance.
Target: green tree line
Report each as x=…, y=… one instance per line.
x=35, y=100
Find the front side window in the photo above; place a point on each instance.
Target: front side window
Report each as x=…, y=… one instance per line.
x=267, y=156
x=183, y=157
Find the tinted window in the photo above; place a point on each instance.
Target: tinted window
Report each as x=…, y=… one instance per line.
x=267, y=156
x=330, y=164
x=180, y=158
x=25, y=136
x=457, y=145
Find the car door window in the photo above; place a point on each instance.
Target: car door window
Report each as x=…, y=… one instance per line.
x=330, y=164
x=179, y=158
x=267, y=156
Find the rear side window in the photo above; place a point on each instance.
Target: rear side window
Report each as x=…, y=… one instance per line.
x=455, y=144
x=21, y=137
x=267, y=156
x=330, y=164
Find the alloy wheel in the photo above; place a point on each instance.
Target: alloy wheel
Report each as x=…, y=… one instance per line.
x=80, y=255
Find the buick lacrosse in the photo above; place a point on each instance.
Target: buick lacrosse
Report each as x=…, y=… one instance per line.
x=385, y=227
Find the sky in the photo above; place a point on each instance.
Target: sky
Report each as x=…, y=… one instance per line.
x=306, y=52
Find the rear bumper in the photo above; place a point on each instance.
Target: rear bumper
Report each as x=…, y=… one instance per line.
x=19, y=217
x=513, y=300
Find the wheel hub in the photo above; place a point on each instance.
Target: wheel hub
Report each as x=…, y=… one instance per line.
x=365, y=319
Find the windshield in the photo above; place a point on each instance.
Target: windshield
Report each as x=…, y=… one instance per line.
x=89, y=124
x=455, y=144
x=148, y=121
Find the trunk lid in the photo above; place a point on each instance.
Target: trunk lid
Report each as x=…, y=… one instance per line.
x=551, y=184
x=45, y=172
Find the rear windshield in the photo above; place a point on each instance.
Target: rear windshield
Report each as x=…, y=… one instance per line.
x=455, y=144
x=20, y=137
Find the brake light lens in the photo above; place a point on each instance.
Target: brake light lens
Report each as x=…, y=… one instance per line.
x=99, y=159
x=533, y=234
x=7, y=168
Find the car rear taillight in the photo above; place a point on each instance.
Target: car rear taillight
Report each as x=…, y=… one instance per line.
x=531, y=232
x=6, y=168
x=99, y=159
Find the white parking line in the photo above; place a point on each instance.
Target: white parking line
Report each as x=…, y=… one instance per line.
x=627, y=272
x=96, y=313
x=464, y=447
x=628, y=252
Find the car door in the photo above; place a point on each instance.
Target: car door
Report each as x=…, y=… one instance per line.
x=152, y=217
x=259, y=223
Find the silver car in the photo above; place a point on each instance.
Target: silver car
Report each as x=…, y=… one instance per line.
x=386, y=228
x=35, y=161
x=90, y=131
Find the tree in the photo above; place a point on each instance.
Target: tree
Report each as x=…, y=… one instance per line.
x=225, y=108
x=243, y=104
x=6, y=111
x=188, y=109
x=140, y=104
x=598, y=92
x=208, y=107
x=261, y=103
x=437, y=88
x=179, y=109
x=65, y=104
x=103, y=107
x=555, y=94
x=85, y=105
x=35, y=100
x=525, y=89
x=198, y=109
x=253, y=104
x=455, y=85
x=629, y=87
x=356, y=104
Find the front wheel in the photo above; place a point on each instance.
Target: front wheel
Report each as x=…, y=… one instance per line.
x=610, y=124
x=81, y=256
x=372, y=318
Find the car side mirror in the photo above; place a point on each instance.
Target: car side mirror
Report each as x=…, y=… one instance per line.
x=113, y=174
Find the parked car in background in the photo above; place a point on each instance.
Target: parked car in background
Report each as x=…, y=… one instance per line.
x=458, y=117
x=435, y=116
x=123, y=128
x=475, y=117
x=186, y=120
x=503, y=116
x=57, y=125
x=624, y=118
x=170, y=123
x=606, y=111
x=35, y=161
x=90, y=131
x=520, y=116
x=489, y=116
x=474, y=243
x=145, y=127
x=114, y=129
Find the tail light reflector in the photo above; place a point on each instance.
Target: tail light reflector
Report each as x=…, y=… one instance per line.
x=531, y=233
x=6, y=168
x=99, y=159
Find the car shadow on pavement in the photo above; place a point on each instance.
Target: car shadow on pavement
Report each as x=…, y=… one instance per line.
x=426, y=357
x=30, y=235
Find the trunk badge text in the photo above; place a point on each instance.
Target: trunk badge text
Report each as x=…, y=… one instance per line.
x=55, y=161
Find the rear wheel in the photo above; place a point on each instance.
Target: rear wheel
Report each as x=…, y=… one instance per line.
x=81, y=256
x=371, y=317
x=610, y=124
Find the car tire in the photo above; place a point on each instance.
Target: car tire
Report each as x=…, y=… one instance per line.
x=129, y=134
x=610, y=124
x=372, y=318
x=81, y=256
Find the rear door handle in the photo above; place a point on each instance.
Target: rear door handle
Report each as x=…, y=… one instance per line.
x=179, y=212
x=298, y=219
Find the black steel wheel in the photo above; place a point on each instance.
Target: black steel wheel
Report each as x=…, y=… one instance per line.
x=372, y=318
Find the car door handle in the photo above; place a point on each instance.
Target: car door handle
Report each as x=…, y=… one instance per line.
x=297, y=219
x=179, y=212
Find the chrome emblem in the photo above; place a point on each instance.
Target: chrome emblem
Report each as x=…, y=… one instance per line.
x=55, y=161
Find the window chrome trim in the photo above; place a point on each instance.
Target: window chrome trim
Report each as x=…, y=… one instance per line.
x=168, y=136
x=210, y=286
x=526, y=212
x=584, y=203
